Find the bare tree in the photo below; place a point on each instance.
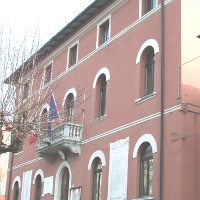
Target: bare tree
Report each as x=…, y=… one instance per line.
x=18, y=69
x=24, y=90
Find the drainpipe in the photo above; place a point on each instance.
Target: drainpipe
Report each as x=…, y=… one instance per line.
x=162, y=100
x=9, y=183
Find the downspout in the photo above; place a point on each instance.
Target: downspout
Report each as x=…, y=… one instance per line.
x=9, y=183
x=162, y=100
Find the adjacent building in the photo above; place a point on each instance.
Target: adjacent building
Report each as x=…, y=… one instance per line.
x=122, y=116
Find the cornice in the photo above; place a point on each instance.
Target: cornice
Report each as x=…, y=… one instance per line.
x=84, y=30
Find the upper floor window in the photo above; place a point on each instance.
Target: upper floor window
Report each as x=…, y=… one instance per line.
x=149, y=74
x=69, y=106
x=48, y=72
x=38, y=187
x=97, y=180
x=102, y=103
x=104, y=32
x=26, y=90
x=149, y=5
x=146, y=170
x=73, y=56
x=100, y=86
x=43, y=121
x=100, y=97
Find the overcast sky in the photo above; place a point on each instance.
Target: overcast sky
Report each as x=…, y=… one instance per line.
x=46, y=15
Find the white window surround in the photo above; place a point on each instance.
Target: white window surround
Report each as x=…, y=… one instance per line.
x=45, y=106
x=39, y=172
x=99, y=154
x=68, y=54
x=103, y=70
x=140, y=7
x=145, y=138
x=71, y=90
x=98, y=28
x=17, y=179
x=150, y=42
x=58, y=179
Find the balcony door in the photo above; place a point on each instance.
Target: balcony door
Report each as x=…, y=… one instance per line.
x=65, y=185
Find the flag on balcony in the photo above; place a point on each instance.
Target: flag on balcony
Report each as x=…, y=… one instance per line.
x=53, y=113
x=34, y=135
x=33, y=138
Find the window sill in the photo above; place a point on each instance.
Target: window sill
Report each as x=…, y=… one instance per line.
x=19, y=153
x=98, y=119
x=149, y=96
x=144, y=198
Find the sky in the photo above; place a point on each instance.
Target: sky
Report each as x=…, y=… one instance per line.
x=46, y=17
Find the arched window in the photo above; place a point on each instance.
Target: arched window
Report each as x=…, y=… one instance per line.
x=43, y=121
x=101, y=95
x=65, y=185
x=146, y=68
x=149, y=72
x=63, y=181
x=97, y=179
x=38, y=187
x=146, y=170
x=102, y=104
x=16, y=191
x=69, y=107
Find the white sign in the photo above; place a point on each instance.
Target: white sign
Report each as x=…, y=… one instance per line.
x=2, y=186
x=118, y=170
x=48, y=185
x=26, y=185
x=4, y=159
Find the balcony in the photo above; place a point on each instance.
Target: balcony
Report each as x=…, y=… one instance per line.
x=64, y=137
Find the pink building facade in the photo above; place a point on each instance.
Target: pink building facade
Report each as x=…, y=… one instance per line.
x=125, y=79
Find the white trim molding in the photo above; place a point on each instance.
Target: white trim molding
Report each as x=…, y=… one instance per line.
x=17, y=179
x=133, y=123
x=150, y=42
x=103, y=70
x=145, y=138
x=39, y=172
x=58, y=179
x=145, y=198
x=99, y=154
x=71, y=90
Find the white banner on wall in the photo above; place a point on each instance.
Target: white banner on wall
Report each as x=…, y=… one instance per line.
x=26, y=185
x=48, y=185
x=118, y=170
